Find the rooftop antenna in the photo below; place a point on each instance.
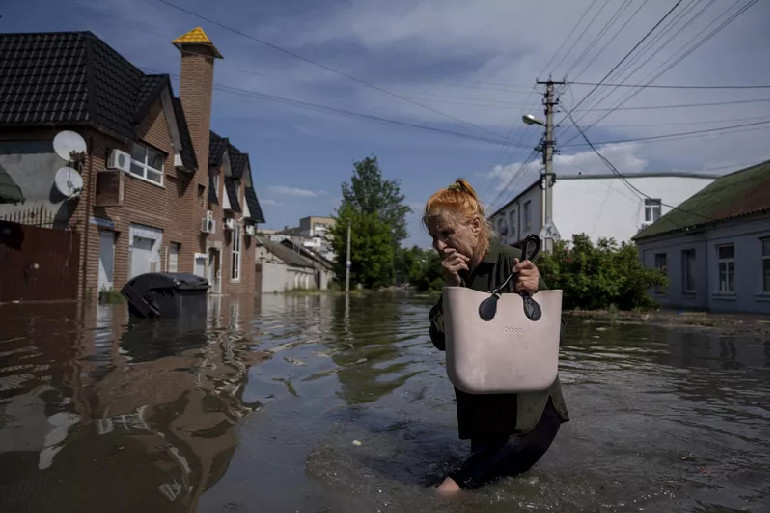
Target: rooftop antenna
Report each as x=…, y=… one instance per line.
x=70, y=146
x=67, y=142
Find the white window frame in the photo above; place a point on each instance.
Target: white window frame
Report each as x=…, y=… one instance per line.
x=687, y=287
x=215, y=183
x=148, y=172
x=765, y=260
x=178, y=248
x=236, y=250
x=725, y=270
x=651, y=207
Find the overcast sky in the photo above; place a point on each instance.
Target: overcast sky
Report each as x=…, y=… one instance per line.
x=436, y=89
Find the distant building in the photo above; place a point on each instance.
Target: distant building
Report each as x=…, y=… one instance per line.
x=284, y=266
x=597, y=205
x=715, y=248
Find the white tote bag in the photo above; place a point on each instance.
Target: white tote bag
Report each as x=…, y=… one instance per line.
x=502, y=342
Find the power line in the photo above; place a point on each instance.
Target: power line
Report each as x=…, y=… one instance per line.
x=343, y=112
x=671, y=136
x=626, y=55
x=687, y=52
x=325, y=67
x=673, y=106
x=619, y=31
x=623, y=178
x=574, y=27
x=649, y=86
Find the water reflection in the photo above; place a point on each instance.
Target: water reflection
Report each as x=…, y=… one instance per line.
x=146, y=412
x=258, y=408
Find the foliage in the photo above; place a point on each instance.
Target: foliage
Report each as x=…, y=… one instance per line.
x=376, y=212
x=369, y=193
x=421, y=268
x=371, y=248
x=601, y=276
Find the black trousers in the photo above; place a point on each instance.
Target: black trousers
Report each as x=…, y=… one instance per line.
x=493, y=458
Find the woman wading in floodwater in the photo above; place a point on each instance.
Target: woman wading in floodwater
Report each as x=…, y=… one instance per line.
x=508, y=432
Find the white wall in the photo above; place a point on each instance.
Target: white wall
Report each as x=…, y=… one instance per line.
x=599, y=207
x=608, y=207
x=274, y=277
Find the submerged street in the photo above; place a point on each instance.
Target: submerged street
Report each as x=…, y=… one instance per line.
x=293, y=402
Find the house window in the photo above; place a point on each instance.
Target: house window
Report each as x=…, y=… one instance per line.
x=236, y=252
x=172, y=265
x=661, y=265
x=688, y=270
x=726, y=264
x=502, y=228
x=527, y=215
x=147, y=163
x=512, y=224
x=651, y=210
x=765, y=264
x=201, y=195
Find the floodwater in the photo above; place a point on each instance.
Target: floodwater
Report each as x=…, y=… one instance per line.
x=312, y=403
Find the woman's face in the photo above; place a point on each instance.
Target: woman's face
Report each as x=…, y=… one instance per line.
x=446, y=232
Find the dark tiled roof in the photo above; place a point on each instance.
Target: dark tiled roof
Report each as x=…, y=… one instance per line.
x=255, y=209
x=285, y=253
x=212, y=193
x=189, y=160
x=235, y=206
x=738, y=194
x=217, y=146
x=238, y=161
x=150, y=87
x=74, y=78
x=44, y=78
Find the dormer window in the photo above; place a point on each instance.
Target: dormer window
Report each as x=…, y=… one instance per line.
x=147, y=163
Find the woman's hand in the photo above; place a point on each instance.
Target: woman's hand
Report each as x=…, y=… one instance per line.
x=453, y=262
x=529, y=275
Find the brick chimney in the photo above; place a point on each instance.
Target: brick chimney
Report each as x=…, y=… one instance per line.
x=195, y=86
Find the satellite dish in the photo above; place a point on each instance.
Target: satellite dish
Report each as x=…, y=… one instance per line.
x=68, y=182
x=68, y=141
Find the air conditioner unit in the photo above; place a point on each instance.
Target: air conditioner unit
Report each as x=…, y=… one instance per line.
x=250, y=230
x=229, y=223
x=119, y=160
x=208, y=225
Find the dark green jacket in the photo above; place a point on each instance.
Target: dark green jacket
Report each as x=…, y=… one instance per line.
x=492, y=415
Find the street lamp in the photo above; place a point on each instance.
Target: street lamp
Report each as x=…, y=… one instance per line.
x=529, y=119
x=548, y=231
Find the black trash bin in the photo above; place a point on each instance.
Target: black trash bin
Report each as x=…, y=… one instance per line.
x=167, y=296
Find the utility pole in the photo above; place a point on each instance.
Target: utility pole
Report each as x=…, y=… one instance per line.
x=548, y=232
x=347, y=263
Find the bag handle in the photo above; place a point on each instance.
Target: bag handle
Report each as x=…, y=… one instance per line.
x=488, y=307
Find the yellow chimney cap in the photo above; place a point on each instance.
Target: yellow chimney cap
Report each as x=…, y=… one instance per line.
x=197, y=36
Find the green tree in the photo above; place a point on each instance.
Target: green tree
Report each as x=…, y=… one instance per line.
x=421, y=268
x=594, y=277
x=368, y=192
x=371, y=248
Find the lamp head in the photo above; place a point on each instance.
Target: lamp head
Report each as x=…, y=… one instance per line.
x=529, y=119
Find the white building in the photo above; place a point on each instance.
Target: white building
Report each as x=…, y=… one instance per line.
x=715, y=248
x=597, y=205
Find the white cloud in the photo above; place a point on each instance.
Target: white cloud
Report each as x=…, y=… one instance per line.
x=294, y=191
x=271, y=203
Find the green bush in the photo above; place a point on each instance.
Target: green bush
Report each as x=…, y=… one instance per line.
x=595, y=277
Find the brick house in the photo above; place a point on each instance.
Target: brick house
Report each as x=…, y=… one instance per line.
x=159, y=190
